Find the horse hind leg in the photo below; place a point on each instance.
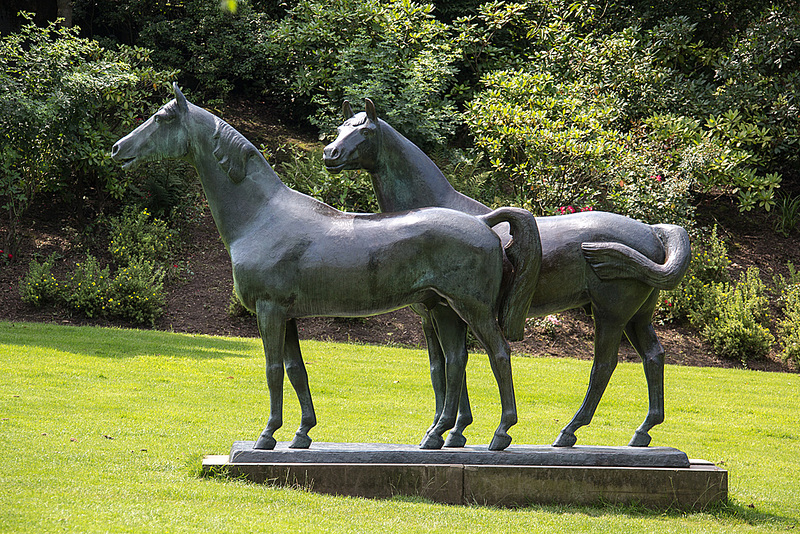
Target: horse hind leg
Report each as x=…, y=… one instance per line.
x=643, y=337
x=455, y=438
x=606, y=346
x=296, y=371
x=489, y=334
x=436, y=358
x=452, y=335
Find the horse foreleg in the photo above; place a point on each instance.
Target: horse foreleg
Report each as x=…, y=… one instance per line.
x=272, y=327
x=452, y=334
x=643, y=337
x=296, y=370
x=606, y=346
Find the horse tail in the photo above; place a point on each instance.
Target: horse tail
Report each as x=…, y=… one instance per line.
x=524, y=252
x=614, y=260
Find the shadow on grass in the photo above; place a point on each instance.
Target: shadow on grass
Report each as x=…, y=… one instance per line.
x=730, y=511
x=125, y=343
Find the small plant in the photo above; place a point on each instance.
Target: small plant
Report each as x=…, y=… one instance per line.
x=789, y=327
x=548, y=325
x=787, y=210
x=236, y=308
x=86, y=290
x=734, y=318
x=39, y=285
x=782, y=284
x=136, y=292
x=135, y=235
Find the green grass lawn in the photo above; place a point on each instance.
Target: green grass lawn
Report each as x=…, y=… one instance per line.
x=102, y=430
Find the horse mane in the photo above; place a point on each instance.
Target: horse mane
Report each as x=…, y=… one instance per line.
x=232, y=150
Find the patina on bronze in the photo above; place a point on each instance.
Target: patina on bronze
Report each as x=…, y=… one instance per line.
x=612, y=265
x=294, y=256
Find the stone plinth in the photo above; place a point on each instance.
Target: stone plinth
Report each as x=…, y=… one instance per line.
x=657, y=477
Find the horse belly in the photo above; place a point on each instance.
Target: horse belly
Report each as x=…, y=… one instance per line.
x=359, y=282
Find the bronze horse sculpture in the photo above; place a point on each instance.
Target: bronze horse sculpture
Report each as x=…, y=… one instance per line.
x=610, y=264
x=293, y=257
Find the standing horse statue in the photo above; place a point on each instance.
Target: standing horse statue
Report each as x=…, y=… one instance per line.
x=294, y=257
x=610, y=264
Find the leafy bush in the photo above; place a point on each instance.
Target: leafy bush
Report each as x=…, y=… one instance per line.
x=39, y=286
x=63, y=102
x=136, y=293
x=735, y=318
x=789, y=327
x=547, y=145
x=86, y=291
x=592, y=116
x=134, y=235
x=133, y=290
x=393, y=52
x=305, y=172
x=217, y=50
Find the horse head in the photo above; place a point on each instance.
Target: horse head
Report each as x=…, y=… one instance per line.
x=164, y=135
x=358, y=140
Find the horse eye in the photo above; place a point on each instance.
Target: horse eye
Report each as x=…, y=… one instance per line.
x=164, y=118
x=367, y=132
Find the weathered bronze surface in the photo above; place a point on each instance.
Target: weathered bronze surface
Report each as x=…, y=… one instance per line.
x=294, y=256
x=612, y=265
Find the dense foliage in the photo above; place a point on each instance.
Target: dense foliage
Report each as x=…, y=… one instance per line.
x=556, y=105
x=64, y=100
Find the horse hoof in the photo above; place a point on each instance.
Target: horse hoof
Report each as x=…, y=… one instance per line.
x=455, y=440
x=431, y=441
x=565, y=439
x=265, y=443
x=500, y=442
x=640, y=439
x=300, y=442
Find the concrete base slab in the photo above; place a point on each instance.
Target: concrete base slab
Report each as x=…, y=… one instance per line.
x=657, y=477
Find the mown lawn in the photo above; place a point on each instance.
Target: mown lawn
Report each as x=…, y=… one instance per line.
x=102, y=430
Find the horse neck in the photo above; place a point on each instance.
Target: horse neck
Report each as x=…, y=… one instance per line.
x=234, y=206
x=405, y=178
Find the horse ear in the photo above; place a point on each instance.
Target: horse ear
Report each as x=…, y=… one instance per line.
x=347, y=111
x=370, y=109
x=179, y=98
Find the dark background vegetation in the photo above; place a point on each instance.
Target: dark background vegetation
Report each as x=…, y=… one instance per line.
x=682, y=112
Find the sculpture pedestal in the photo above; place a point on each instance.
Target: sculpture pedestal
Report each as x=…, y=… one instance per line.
x=656, y=477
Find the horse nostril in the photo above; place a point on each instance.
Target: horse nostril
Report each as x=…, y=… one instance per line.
x=114, y=150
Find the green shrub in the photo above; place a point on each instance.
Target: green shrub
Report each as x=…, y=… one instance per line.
x=136, y=293
x=394, y=52
x=305, y=172
x=735, y=316
x=64, y=100
x=133, y=290
x=135, y=235
x=39, y=286
x=86, y=291
x=217, y=50
x=789, y=327
x=547, y=145
x=236, y=308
